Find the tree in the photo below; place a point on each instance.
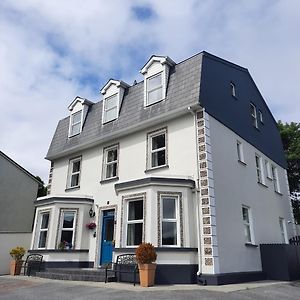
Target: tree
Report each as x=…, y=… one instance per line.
x=42, y=189
x=290, y=135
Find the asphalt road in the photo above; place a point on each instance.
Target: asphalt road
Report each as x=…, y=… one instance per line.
x=15, y=288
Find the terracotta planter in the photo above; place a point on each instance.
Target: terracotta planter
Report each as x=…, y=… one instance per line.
x=15, y=267
x=147, y=274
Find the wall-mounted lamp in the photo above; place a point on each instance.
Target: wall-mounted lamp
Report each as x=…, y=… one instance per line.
x=91, y=213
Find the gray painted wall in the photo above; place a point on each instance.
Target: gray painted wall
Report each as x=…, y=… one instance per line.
x=17, y=194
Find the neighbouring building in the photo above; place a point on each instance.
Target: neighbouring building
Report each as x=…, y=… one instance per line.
x=189, y=159
x=18, y=191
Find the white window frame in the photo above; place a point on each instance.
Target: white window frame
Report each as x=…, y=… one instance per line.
x=259, y=169
x=240, y=151
x=40, y=229
x=254, y=115
x=104, y=110
x=176, y=220
x=275, y=178
x=261, y=118
x=233, y=89
x=162, y=86
x=73, y=124
x=248, y=224
x=61, y=222
x=139, y=221
x=283, y=233
x=268, y=169
x=71, y=173
x=150, y=137
x=106, y=163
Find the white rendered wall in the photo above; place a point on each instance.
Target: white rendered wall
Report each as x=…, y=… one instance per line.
x=236, y=185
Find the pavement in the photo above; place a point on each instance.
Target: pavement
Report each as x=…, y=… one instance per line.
x=32, y=288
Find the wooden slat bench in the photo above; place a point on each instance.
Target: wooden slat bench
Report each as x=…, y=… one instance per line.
x=125, y=263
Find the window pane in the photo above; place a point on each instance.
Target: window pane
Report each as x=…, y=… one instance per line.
x=110, y=114
x=109, y=233
x=155, y=95
x=169, y=208
x=154, y=82
x=76, y=166
x=76, y=118
x=247, y=233
x=75, y=180
x=111, y=171
x=158, y=158
x=111, y=102
x=245, y=214
x=112, y=155
x=169, y=233
x=135, y=210
x=68, y=220
x=42, y=240
x=75, y=129
x=66, y=236
x=158, y=141
x=45, y=221
x=134, y=234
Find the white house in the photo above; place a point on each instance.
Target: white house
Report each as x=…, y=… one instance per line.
x=189, y=159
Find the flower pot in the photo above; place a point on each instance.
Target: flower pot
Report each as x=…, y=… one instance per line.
x=147, y=274
x=15, y=267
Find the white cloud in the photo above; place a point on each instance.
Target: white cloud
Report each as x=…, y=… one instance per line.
x=50, y=49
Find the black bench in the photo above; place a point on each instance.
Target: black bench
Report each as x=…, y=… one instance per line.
x=125, y=263
x=32, y=263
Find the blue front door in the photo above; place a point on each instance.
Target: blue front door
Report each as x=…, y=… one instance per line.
x=108, y=223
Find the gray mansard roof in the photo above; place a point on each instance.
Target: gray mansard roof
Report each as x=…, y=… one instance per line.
x=202, y=79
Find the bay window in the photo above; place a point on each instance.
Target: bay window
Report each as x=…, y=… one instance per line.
x=135, y=221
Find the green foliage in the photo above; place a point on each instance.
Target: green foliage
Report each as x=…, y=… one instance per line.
x=42, y=189
x=17, y=253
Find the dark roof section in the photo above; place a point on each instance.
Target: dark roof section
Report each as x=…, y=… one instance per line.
x=202, y=78
x=20, y=167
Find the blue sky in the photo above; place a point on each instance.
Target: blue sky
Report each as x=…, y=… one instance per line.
x=52, y=51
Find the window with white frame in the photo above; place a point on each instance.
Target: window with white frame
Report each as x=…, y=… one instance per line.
x=157, y=149
x=110, y=108
x=67, y=228
x=75, y=123
x=43, y=230
x=268, y=169
x=253, y=115
x=154, y=89
x=261, y=118
x=74, y=172
x=169, y=220
x=275, y=178
x=248, y=230
x=259, y=169
x=240, y=152
x=110, y=162
x=135, y=221
x=283, y=234
x=233, y=89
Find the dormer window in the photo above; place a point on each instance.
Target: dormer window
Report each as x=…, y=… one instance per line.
x=110, y=108
x=156, y=75
x=233, y=90
x=75, y=127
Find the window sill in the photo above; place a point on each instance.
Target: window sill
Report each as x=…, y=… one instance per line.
x=58, y=251
x=251, y=245
x=262, y=184
x=73, y=188
x=242, y=162
x=157, y=168
x=109, y=180
x=278, y=193
x=270, y=178
x=158, y=101
x=70, y=136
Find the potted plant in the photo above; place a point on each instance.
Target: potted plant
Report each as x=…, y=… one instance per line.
x=17, y=262
x=64, y=245
x=146, y=256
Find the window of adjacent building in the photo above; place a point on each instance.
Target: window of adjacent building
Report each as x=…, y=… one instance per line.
x=268, y=169
x=248, y=231
x=75, y=125
x=67, y=228
x=110, y=166
x=110, y=108
x=261, y=118
x=283, y=234
x=74, y=172
x=43, y=230
x=154, y=89
x=275, y=178
x=169, y=217
x=135, y=220
x=259, y=169
x=233, y=89
x=240, y=152
x=157, y=149
x=254, y=115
